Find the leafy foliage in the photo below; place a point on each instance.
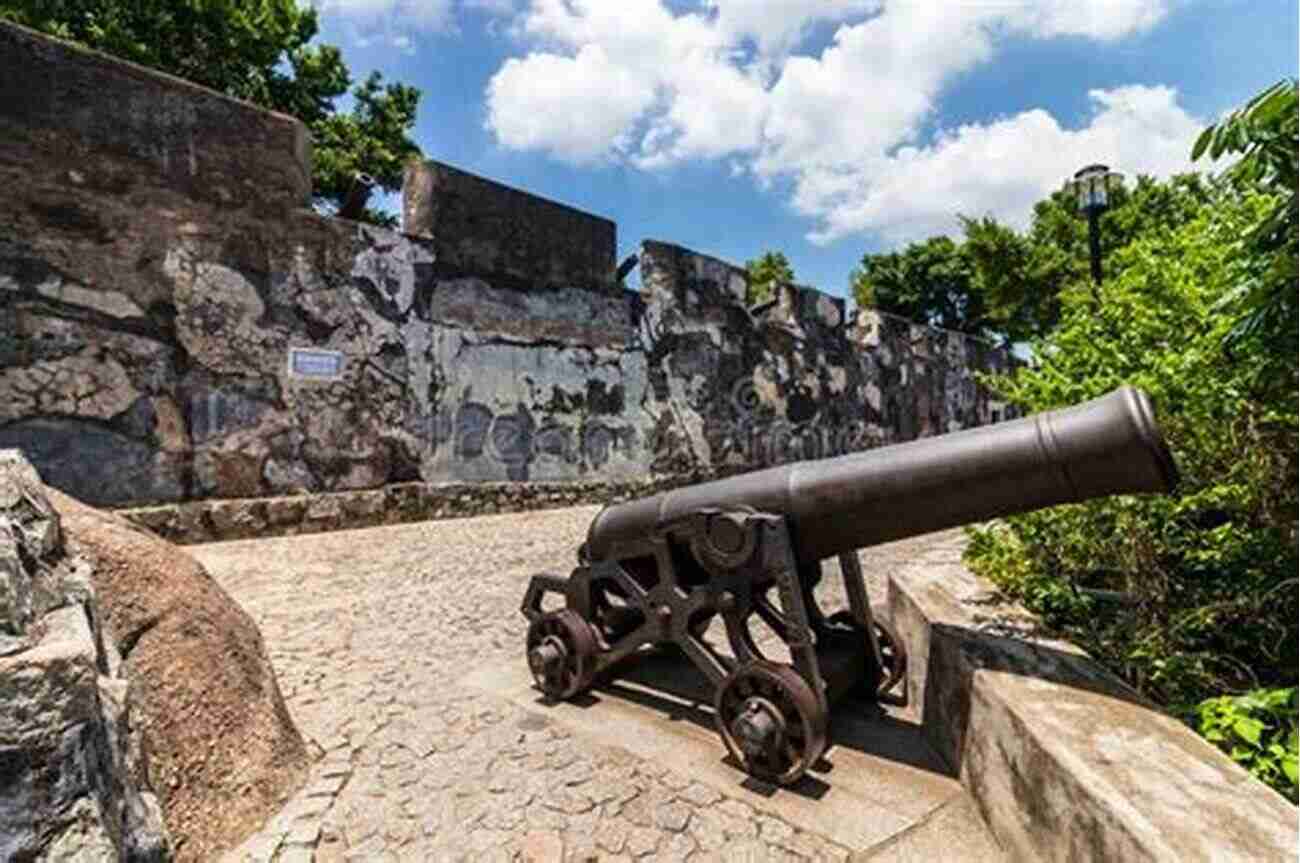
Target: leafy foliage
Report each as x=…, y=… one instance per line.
x=763, y=274
x=260, y=51
x=1007, y=285
x=929, y=282
x=1258, y=730
x=1265, y=132
x=370, y=139
x=1211, y=570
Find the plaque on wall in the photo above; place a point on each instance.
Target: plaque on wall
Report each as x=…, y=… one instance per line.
x=315, y=364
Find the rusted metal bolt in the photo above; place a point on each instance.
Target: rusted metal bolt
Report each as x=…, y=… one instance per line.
x=727, y=601
x=665, y=614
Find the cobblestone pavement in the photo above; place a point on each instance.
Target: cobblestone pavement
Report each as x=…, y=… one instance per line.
x=371, y=632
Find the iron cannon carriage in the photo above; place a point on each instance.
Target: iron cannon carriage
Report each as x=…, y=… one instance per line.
x=654, y=573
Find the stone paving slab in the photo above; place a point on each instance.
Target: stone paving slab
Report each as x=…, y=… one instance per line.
x=876, y=781
x=953, y=832
x=400, y=653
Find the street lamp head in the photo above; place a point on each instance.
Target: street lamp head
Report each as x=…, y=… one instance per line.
x=1093, y=184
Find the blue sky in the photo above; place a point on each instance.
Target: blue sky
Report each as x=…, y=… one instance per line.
x=822, y=128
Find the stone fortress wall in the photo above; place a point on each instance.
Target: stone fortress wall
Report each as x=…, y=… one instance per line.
x=177, y=324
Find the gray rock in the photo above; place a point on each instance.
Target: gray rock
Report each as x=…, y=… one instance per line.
x=72, y=773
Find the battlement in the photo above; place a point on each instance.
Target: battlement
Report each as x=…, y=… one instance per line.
x=73, y=120
x=480, y=226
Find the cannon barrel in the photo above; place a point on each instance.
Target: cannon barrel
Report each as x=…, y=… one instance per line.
x=1110, y=445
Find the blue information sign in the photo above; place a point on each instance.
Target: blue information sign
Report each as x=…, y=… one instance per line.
x=315, y=363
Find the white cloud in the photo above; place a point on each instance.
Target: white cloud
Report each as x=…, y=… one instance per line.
x=633, y=81
x=668, y=83
x=1096, y=19
x=777, y=26
x=390, y=23
x=577, y=107
x=1000, y=168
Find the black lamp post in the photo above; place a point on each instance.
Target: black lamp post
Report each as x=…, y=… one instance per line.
x=1093, y=184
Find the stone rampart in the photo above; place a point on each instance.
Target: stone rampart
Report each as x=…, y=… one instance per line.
x=484, y=228
x=1062, y=759
x=733, y=386
x=176, y=325
x=77, y=122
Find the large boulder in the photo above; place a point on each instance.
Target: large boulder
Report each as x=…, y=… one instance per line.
x=223, y=752
x=74, y=781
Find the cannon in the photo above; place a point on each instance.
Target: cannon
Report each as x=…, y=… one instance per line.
x=656, y=572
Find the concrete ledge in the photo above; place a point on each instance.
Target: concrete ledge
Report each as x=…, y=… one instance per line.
x=245, y=518
x=1063, y=760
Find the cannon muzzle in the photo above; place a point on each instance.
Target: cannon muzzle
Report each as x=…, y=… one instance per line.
x=1110, y=445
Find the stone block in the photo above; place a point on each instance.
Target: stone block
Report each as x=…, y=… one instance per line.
x=160, y=519
x=191, y=523
x=285, y=510
x=483, y=228
x=1062, y=759
x=365, y=506
x=404, y=501
x=50, y=687
x=161, y=132
x=237, y=519
x=325, y=509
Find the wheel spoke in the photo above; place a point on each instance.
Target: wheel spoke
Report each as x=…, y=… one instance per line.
x=789, y=702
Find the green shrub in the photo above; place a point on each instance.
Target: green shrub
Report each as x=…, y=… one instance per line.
x=1258, y=730
x=1209, y=571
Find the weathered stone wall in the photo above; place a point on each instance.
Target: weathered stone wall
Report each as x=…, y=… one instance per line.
x=78, y=121
x=731, y=387
x=174, y=325
x=533, y=385
x=734, y=387
x=481, y=227
x=920, y=381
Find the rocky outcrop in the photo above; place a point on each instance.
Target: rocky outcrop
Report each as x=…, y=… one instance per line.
x=74, y=782
x=224, y=753
x=114, y=643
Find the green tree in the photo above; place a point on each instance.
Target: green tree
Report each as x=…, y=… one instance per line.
x=370, y=139
x=1210, y=570
x=1023, y=276
x=928, y=282
x=1006, y=284
x=763, y=274
x=260, y=51
x=1265, y=132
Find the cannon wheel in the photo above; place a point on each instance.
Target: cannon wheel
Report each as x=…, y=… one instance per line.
x=561, y=654
x=770, y=721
